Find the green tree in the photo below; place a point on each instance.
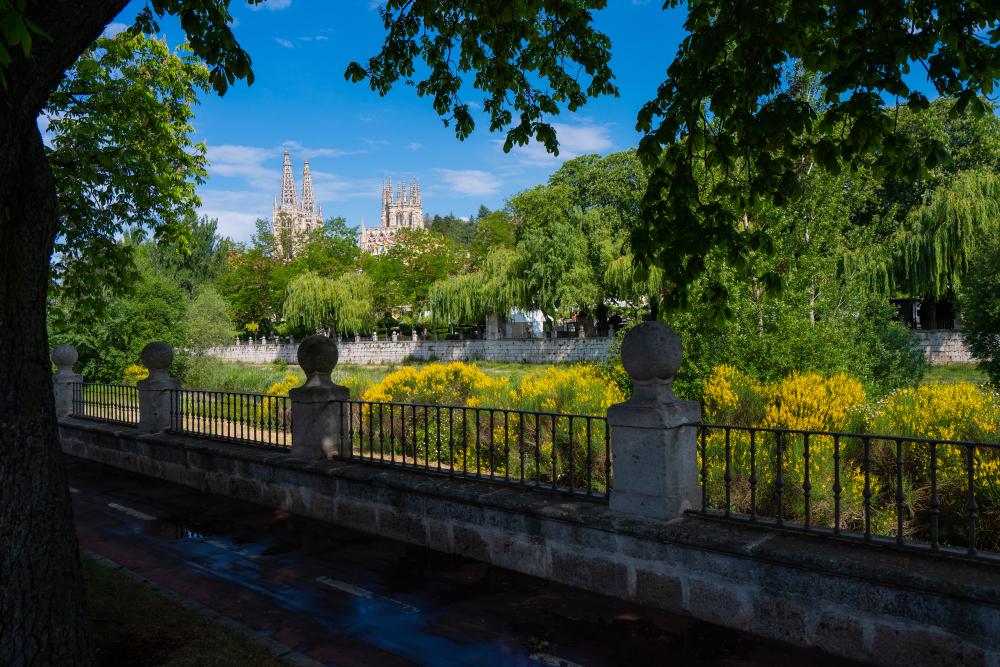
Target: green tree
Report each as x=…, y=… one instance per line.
x=980, y=302
x=494, y=229
x=402, y=277
x=558, y=279
x=152, y=310
x=207, y=322
x=455, y=229
x=732, y=127
x=202, y=260
x=337, y=305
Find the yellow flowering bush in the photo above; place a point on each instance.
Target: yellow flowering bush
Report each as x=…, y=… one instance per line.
x=133, y=373
x=494, y=442
x=810, y=402
x=578, y=389
x=453, y=383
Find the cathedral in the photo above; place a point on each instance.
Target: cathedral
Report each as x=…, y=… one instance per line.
x=293, y=218
x=400, y=210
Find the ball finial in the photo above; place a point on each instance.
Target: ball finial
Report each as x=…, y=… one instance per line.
x=651, y=351
x=318, y=354
x=64, y=357
x=157, y=356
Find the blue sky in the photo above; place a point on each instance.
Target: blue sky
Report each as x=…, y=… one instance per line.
x=353, y=138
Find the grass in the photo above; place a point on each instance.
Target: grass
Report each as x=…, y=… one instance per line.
x=952, y=373
x=136, y=627
x=217, y=375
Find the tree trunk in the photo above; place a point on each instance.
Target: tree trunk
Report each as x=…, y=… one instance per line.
x=41, y=595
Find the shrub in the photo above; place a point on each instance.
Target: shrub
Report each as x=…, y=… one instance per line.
x=981, y=308
x=134, y=373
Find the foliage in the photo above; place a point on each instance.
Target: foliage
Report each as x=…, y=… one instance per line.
x=207, y=323
x=526, y=59
x=338, y=305
x=402, y=277
x=133, y=373
x=552, y=251
x=811, y=402
x=578, y=389
x=456, y=383
x=154, y=309
x=203, y=258
x=736, y=126
x=981, y=308
x=494, y=289
x=122, y=158
x=943, y=233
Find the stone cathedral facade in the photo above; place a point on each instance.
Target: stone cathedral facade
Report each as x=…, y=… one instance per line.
x=292, y=217
x=401, y=209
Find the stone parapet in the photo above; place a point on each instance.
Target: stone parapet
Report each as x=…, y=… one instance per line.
x=536, y=351
x=864, y=601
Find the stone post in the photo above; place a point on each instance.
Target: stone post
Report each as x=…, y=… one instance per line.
x=413, y=335
x=154, y=391
x=395, y=336
x=653, y=434
x=374, y=336
x=64, y=357
x=316, y=405
x=492, y=327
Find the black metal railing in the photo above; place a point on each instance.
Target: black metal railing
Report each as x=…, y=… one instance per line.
x=253, y=419
x=117, y=403
x=922, y=493
x=557, y=452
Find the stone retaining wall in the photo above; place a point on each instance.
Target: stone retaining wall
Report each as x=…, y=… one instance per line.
x=861, y=601
x=944, y=347
x=393, y=352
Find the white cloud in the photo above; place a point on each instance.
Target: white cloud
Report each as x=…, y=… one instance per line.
x=272, y=5
x=574, y=140
x=414, y=146
x=366, y=118
x=253, y=180
x=321, y=38
x=114, y=29
x=284, y=42
x=470, y=182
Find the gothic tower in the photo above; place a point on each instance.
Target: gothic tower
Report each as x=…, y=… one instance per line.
x=401, y=208
x=293, y=218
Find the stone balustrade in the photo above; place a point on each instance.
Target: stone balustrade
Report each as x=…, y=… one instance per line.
x=859, y=600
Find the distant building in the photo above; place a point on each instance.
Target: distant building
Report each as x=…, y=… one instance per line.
x=400, y=210
x=291, y=218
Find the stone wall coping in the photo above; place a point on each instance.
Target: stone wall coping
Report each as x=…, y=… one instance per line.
x=879, y=563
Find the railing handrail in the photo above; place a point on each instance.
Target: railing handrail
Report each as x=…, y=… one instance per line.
x=447, y=406
x=847, y=434
x=227, y=392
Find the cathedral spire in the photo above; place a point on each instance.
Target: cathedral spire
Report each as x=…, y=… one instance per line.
x=415, y=192
x=288, y=195
x=308, y=198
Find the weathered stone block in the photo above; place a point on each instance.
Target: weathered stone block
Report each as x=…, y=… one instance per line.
x=838, y=631
x=718, y=602
x=909, y=647
x=603, y=575
x=470, y=543
x=659, y=590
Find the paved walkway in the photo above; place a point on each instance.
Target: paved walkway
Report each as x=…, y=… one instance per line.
x=347, y=598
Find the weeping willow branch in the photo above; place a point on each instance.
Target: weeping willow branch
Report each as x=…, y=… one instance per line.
x=634, y=281
x=494, y=289
x=942, y=234
x=340, y=304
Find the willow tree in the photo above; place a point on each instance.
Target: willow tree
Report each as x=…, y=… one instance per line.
x=494, y=290
x=641, y=284
x=335, y=304
x=943, y=233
